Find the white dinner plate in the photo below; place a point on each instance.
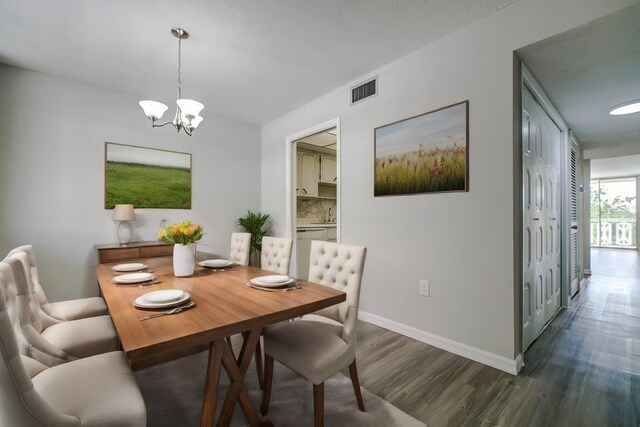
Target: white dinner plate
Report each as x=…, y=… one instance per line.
x=134, y=278
x=134, y=266
x=142, y=303
x=215, y=263
x=275, y=278
x=257, y=282
x=165, y=295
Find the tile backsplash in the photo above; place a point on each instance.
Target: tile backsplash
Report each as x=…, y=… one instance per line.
x=315, y=208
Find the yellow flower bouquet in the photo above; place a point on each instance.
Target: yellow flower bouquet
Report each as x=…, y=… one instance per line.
x=184, y=233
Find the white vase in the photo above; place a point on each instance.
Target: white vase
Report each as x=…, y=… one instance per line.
x=184, y=260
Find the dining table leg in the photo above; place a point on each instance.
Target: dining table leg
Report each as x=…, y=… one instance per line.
x=237, y=370
x=210, y=400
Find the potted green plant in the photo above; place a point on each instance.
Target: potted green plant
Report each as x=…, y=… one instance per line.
x=255, y=223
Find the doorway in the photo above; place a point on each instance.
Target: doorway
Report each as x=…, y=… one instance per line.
x=313, y=194
x=613, y=213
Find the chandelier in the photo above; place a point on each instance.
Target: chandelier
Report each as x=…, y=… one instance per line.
x=187, y=115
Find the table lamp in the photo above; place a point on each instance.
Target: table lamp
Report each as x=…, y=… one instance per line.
x=123, y=214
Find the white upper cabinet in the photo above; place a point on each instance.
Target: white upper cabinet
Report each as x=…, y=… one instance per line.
x=328, y=169
x=307, y=174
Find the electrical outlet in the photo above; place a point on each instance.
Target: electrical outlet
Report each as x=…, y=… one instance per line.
x=425, y=288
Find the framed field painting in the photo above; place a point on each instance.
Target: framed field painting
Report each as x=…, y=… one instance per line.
x=146, y=177
x=423, y=154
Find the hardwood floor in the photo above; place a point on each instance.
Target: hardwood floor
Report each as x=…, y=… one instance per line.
x=584, y=370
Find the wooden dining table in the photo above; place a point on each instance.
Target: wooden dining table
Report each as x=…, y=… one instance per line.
x=225, y=305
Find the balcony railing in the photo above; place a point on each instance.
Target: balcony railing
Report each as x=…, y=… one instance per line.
x=614, y=232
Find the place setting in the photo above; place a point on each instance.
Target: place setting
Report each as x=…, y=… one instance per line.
x=175, y=299
x=274, y=283
x=142, y=279
x=130, y=267
x=217, y=264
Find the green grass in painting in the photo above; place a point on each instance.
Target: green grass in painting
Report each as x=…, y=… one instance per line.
x=421, y=171
x=147, y=186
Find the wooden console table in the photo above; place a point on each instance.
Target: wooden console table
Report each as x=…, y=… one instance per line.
x=111, y=252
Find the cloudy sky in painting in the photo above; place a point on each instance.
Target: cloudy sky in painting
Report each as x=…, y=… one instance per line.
x=432, y=130
x=145, y=156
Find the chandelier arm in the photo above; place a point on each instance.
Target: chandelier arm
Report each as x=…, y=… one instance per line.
x=155, y=125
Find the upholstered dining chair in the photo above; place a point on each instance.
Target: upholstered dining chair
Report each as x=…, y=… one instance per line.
x=63, y=310
x=96, y=391
x=52, y=341
x=276, y=254
x=276, y=257
x=320, y=345
x=240, y=248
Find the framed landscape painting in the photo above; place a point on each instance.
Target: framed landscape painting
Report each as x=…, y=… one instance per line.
x=146, y=177
x=423, y=154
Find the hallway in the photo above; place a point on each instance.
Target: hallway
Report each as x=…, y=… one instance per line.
x=584, y=370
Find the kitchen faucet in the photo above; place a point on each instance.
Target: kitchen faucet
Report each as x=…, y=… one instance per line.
x=329, y=216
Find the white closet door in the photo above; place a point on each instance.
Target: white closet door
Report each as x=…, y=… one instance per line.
x=541, y=222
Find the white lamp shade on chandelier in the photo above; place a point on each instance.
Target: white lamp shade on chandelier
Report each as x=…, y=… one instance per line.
x=153, y=109
x=187, y=115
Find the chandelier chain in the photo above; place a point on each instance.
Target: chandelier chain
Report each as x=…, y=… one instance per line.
x=179, y=67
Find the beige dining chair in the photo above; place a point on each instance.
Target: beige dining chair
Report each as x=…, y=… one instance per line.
x=320, y=345
x=63, y=310
x=240, y=248
x=276, y=257
x=276, y=254
x=52, y=341
x=96, y=391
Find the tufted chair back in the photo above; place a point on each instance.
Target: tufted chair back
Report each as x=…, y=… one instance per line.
x=276, y=254
x=20, y=404
x=339, y=266
x=38, y=290
x=240, y=246
x=29, y=315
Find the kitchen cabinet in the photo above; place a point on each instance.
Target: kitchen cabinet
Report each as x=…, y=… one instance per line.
x=328, y=169
x=307, y=174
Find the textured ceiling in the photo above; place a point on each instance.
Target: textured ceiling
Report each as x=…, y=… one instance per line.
x=587, y=71
x=250, y=60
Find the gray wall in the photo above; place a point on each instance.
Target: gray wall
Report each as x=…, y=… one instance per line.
x=461, y=242
x=52, y=135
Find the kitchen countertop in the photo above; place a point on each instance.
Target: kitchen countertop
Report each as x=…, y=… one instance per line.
x=314, y=223
x=318, y=225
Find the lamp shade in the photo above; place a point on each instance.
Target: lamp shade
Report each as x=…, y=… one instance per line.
x=152, y=109
x=190, y=122
x=123, y=213
x=189, y=107
x=196, y=121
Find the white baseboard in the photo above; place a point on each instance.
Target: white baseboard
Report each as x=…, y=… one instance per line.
x=511, y=366
x=519, y=363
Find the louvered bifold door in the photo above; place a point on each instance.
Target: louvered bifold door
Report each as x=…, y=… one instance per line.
x=573, y=213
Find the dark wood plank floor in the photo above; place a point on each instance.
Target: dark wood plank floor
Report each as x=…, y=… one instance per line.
x=584, y=370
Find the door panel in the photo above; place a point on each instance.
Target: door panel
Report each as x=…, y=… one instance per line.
x=542, y=162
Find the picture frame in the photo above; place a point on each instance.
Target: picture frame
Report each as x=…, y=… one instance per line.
x=427, y=153
x=146, y=177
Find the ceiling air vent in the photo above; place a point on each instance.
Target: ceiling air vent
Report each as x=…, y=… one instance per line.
x=364, y=90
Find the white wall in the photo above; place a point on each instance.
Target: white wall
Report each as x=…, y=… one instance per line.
x=461, y=242
x=52, y=135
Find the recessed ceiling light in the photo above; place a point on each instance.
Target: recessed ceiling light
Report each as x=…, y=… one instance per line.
x=626, y=108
